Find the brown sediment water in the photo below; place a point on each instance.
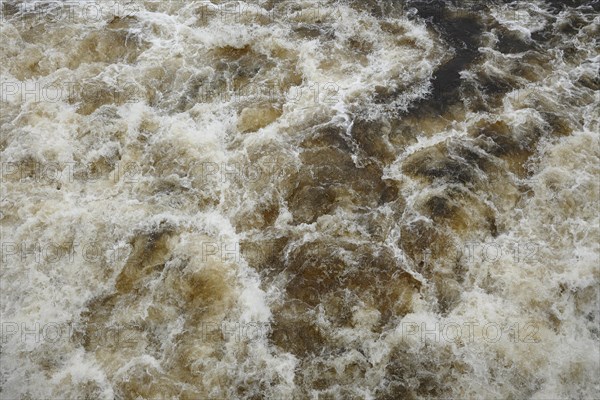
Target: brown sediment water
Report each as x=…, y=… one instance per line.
x=300, y=200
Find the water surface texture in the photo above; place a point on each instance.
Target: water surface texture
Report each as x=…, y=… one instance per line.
x=350, y=199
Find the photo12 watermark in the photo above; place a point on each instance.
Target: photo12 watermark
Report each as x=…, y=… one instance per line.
x=53, y=173
x=488, y=251
x=115, y=334
x=457, y=332
x=209, y=172
x=54, y=333
x=70, y=92
x=467, y=332
x=308, y=94
x=49, y=252
x=234, y=331
x=68, y=11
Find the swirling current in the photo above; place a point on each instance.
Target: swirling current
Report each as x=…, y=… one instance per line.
x=310, y=199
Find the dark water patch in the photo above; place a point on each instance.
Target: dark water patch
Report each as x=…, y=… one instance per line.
x=9, y=9
x=433, y=163
x=328, y=136
x=360, y=45
x=381, y=282
x=509, y=42
x=475, y=157
x=372, y=137
x=445, y=87
x=543, y=35
x=571, y=25
x=263, y=215
x=314, y=272
x=310, y=31
x=391, y=193
x=149, y=254
x=337, y=277
x=448, y=291
x=515, y=147
x=439, y=208
x=251, y=119
x=240, y=64
x=265, y=255
x=557, y=6
x=559, y=126
x=324, y=376
x=473, y=99
x=436, y=256
x=122, y=22
x=380, y=9
x=503, y=142
x=420, y=239
x=338, y=305
x=495, y=87
x=458, y=208
x=294, y=330
x=462, y=31
x=241, y=75
x=403, y=132
x=329, y=178
x=307, y=203
x=430, y=374
x=201, y=89
x=589, y=82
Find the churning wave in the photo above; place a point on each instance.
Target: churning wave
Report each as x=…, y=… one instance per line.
x=300, y=199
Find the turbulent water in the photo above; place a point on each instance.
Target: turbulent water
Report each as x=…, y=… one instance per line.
x=300, y=199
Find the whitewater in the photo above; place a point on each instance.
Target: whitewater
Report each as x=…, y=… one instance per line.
x=336, y=199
